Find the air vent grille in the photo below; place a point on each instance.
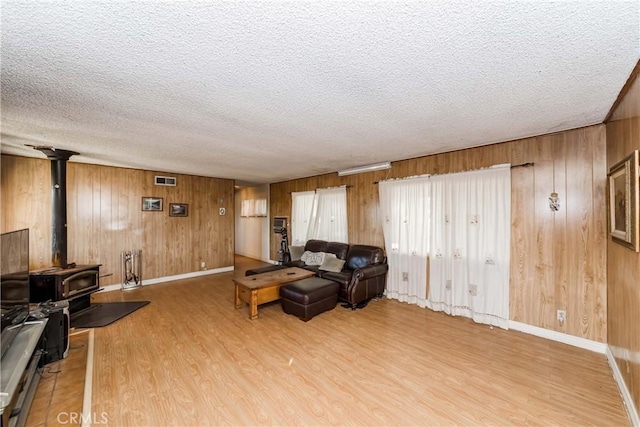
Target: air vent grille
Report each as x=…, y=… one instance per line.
x=166, y=180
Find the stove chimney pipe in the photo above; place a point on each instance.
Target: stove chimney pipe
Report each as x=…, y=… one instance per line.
x=58, y=203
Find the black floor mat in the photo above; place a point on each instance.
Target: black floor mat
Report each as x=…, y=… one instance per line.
x=105, y=313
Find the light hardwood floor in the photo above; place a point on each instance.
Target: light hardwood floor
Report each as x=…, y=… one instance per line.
x=59, y=396
x=190, y=359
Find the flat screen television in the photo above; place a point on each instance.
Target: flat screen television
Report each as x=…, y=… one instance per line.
x=14, y=284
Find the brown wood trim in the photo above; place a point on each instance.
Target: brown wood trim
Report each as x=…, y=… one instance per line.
x=624, y=91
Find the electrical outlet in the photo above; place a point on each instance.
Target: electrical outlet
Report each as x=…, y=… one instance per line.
x=203, y=264
x=405, y=276
x=562, y=316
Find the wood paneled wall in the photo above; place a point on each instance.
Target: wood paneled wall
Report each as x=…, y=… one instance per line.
x=26, y=203
x=623, y=265
x=558, y=259
x=105, y=217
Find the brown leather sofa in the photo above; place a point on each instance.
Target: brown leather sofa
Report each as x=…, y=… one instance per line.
x=363, y=276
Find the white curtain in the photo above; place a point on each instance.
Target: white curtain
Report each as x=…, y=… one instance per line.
x=261, y=207
x=470, y=234
x=465, y=229
x=329, y=215
x=247, y=208
x=254, y=207
x=405, y=211
x=301, y=206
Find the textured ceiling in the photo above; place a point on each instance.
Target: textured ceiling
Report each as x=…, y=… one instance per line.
x=265, y=92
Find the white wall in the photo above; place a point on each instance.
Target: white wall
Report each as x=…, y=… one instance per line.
x=252, y=233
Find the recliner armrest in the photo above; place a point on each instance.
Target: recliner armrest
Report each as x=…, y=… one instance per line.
x=369, y=271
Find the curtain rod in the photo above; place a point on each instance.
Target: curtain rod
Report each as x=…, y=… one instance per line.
x=523, y=165
x=325, y=188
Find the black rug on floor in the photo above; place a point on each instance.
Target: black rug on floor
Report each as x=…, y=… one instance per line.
x=104, y=313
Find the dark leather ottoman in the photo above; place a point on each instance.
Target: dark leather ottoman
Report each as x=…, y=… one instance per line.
x=309, y=297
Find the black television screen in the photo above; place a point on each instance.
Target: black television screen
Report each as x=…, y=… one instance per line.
x=14, y=284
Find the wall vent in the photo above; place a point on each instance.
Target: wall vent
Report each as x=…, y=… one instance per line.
x=166, y=180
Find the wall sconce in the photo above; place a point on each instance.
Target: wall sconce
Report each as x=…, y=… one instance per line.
x=554, y=202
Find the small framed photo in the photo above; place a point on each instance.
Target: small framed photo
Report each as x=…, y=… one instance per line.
x=153, y=204
x=178, y=209
x=623, y=202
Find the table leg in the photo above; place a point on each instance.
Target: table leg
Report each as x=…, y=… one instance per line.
x=253, y=313
x=238, y=300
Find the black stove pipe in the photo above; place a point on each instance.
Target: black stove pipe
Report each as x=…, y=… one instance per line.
x=58, y=203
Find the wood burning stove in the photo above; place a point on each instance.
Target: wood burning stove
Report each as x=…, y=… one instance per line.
x=63, y=281
x=57, y=284
x=73, y=284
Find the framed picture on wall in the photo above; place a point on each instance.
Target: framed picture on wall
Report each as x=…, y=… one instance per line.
x=623, y=202
x=178, y=209
x=152, y=204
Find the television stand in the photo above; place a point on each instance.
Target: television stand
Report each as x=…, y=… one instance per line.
x=19, y=377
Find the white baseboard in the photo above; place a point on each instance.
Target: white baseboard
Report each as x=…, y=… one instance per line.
x=596, y=346
x=118, y=287
x=632, y=411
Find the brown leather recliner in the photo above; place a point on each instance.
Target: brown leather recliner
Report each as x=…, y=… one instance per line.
x=363, y=276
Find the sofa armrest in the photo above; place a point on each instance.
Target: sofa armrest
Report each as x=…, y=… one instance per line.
x=297, y=263
x=369, y=271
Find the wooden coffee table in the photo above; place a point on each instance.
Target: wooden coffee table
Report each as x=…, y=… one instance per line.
x=264, y=287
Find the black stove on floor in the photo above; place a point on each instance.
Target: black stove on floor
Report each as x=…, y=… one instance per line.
x=73, y=284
